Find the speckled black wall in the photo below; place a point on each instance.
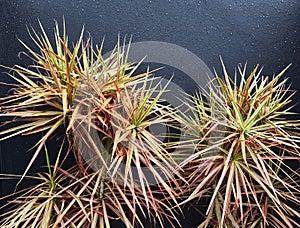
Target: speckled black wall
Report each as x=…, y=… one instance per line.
x=265, y=32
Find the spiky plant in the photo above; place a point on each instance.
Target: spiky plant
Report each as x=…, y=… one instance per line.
x=66, y=198
x=42, y=204
x=43, y=94
x=242, y=141
x=116, y=140
x=107, y=113
x=43, y=97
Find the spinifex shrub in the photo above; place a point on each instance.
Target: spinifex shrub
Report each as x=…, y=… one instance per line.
x=242, y=143
x=92, y=97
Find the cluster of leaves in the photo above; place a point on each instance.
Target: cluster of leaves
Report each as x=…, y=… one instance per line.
x=243, y=142
x=235, y=139
x=92, y=97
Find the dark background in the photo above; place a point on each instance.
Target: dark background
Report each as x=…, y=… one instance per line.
x=265, y=32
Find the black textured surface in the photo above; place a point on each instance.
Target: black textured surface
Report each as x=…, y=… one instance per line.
x=265, y=32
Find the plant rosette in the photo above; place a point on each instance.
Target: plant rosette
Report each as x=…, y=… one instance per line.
x=248, y=182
